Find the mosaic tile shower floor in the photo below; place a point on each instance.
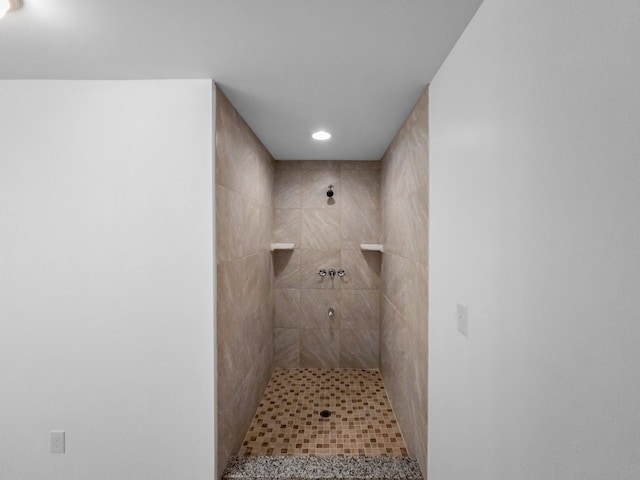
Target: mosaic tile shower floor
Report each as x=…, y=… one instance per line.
x=288, y=420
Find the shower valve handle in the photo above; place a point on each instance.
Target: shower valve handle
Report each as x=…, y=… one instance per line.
x=341, y=273
x=322, y=272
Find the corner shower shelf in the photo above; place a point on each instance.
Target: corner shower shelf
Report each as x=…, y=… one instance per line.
x=373, y=247
x=281, y=246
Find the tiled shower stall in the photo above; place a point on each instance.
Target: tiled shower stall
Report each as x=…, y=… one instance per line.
x=273, y=306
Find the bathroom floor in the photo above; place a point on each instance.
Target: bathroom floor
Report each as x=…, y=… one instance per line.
x=289, y=421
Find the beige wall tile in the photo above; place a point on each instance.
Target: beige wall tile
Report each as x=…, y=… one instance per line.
x=320, y=229
x=286, y=266
x=362, y=165
x=314, y=260
x=230, y=281
x=321, y=164
x=359, y=348
x=360, y=226
x=397, y=273
x=360, y=309
x=361, y=189
x=315, y=184
x=314, y=306
x=404, y=277
x=300, y=191
x=256, y=282
x=362, y=270
x=418, y=227
x=257, y=177
x=287, y=348
x=244, y=313
x=256, y=226
x=287, y=226
x=286, y=165
x=229, y=222
x=394, y=356
x=286, y=308
x=231, y=146
x=287, y=189
x=319, y=348
x=417, y=311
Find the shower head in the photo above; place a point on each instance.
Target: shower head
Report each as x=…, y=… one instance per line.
x=330, y=191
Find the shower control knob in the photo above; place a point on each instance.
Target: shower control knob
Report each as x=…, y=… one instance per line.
x=341, y=273
x=322, y=272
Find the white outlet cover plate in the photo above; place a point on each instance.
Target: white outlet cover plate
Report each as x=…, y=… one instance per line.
x=57, y=441
x=463, y=319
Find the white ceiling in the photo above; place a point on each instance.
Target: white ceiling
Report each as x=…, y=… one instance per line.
x=352, y=67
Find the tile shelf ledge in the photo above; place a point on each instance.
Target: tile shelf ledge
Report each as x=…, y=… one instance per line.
x=281, y=246
x=372, y=247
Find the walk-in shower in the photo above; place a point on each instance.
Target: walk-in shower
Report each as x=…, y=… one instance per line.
x=322, y=344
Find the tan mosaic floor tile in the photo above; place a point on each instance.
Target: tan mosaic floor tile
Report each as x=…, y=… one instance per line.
x=288, y=420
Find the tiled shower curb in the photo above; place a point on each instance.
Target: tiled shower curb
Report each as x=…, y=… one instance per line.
x=325, y=467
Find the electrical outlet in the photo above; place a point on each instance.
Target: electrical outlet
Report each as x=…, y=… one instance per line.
x=57, y=441
x=463, y=320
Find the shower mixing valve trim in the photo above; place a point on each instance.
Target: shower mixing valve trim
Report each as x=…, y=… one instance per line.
x=332, y=272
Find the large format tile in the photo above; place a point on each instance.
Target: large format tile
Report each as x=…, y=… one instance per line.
x=287, y=225
x=404, y=278
x=359, y=348
x=362, y=270
x=319, y=348
x=244, y=313
x=286, y=308
x=256, y=227
x=286, y=268
x=360, y=226
x=393, y=227
x=406, y=162
x=321, y=164
x=320, y=229
x=418, y=225
x=231, y=286
x=287, y=189
x=312, y=261
x=286, y=165
x=314, y=308
x=315, y=184
x=256, y=281
x=416, y=377
x=361, y=165
x=361, y=189
x=258, y=173
x=287, y=348
x=229, y=224
x=397, y=275
x=232, y=146
x=417, y=311
x=394, y=356
x=360, y=309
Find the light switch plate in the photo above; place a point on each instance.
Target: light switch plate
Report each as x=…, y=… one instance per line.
x=57, y=441
x=463, y=320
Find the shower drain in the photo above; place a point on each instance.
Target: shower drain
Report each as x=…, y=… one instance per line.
x=325, y=413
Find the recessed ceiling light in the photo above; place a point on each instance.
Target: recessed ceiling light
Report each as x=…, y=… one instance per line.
x=321, y=135
x=8, y=5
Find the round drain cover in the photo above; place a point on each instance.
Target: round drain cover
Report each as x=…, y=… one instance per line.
x=325, y=413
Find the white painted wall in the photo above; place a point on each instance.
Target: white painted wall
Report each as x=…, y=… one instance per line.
x=106, y=279
x=535, y=225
